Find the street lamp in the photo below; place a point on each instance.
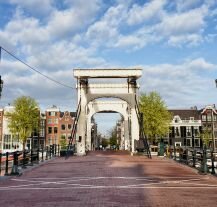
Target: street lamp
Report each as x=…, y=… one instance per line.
x=216, y=83
x=1, y=86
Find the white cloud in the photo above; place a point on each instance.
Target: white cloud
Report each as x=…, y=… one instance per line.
x=184, y=23
x=181, y=85
x=186, y=39
x=35, y=7
x=183, y=5
x=139, y=14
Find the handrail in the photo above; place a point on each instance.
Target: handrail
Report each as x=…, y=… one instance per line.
x=141, y=129
x=74, y=128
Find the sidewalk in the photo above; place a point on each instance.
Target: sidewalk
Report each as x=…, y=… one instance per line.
x=109, y=179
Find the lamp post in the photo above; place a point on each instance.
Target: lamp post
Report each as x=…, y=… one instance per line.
x=1, y=86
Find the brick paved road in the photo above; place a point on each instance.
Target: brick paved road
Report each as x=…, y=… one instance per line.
x=105, y=179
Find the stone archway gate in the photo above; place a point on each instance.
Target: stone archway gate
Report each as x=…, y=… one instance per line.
x=88, y=92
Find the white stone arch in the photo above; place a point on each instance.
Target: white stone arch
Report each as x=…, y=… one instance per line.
x=121, y=107
x=88, y=92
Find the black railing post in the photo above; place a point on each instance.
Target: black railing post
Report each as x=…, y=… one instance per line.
x=38, y=155
x=6, y=164
x=55, y=149
x=46, y=158
x=213, y=160
x=58, y=150
x=174, y=152
x=15, y=164
x=204, y=168
x=24, y=159
x=0, y=163
x=50, y=151
x=42, y=154
x=186, y=156
x=194, y=158
x=31, y=156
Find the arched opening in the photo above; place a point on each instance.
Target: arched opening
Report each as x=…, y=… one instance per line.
x=108, y=121
x=107, y=131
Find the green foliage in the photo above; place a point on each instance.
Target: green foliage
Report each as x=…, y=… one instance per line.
x=63, y=142
x=104, y=142
x=156, y=118
x=206, y=135
x=113, y=141
x=24, y=119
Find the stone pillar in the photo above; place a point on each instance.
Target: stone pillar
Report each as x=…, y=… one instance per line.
x=88, y=139
x=126, y=135
x=81, y=128
x=134, y=128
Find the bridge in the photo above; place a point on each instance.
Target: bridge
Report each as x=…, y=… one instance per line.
x=105, y=178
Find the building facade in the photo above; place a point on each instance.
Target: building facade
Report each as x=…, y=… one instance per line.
x=58, y=125
x=185, y=128
x=209, y=124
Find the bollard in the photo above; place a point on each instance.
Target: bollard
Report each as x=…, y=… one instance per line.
x=6, y=165
x=213, y=160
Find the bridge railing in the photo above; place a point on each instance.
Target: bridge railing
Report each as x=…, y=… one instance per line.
x=204, y=160
x=12, y=163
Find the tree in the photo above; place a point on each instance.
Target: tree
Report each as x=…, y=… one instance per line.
x=104, y=142
x=63, y=143
x=206, y=136
x=24, y=119
x=156, y=117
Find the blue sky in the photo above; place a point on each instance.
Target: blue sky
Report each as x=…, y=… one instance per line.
x=175, y=42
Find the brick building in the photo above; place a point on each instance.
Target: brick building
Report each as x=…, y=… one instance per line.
x=58, y=124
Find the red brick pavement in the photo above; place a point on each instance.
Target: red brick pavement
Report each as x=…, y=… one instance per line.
x=106, y=179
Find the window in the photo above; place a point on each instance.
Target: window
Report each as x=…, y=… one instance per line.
x=49, y=130
x=209, y=117
x=196, y=131
x=214, y=117
x=52, y=113
x=203, y=117
x=63, y=127
x=196, y=142
x=188, y=142
x=69, y=126
x=177, y=132
x=192, y=118
x=178, y=144
x=55, y=130
x=188, y=131
x=49, y=121
x=56, y=120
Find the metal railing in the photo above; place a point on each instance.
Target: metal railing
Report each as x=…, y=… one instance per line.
x=12, y=163
x=204, y=160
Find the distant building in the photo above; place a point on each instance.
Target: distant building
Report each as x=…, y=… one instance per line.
x=185, y=128
x=10, y=142
x=58, y=124
x=209, y=123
